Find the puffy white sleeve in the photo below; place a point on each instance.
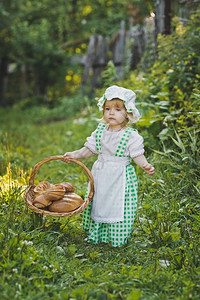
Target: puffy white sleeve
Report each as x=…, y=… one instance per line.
x=91, y=142
x=135, y=145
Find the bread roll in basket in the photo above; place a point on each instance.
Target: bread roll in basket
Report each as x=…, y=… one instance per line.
x=69, y=202
x=45, y=193
x=58, y=190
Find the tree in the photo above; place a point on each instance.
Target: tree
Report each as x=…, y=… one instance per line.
x=163, y=16
x=32, y=34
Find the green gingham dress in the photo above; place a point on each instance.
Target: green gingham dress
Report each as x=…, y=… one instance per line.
x=117, y=232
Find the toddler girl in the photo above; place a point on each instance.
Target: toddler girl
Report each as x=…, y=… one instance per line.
x=110, y=216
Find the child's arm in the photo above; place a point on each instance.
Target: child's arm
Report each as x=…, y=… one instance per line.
x=81, y=153
x=142, y=162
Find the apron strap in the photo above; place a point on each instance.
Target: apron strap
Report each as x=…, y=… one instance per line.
x=123, y=142
x=99, y=132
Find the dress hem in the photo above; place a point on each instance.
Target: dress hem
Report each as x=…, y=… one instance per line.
x=109, y=221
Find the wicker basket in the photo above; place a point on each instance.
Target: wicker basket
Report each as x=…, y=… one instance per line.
x=29, y=193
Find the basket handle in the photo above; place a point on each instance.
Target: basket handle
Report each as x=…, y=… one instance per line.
x=60, y=157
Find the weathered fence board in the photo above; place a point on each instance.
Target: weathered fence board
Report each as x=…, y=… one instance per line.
x=118, y=50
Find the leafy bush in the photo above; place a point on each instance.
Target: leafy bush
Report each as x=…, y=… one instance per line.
x=174, y=80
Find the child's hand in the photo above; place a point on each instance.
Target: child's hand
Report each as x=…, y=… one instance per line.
x=77, y=154
x=68, y=156
x=149, y=169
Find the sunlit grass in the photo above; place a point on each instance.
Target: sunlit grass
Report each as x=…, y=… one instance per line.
x=49, y=257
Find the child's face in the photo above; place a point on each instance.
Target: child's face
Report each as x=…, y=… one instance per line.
x=114, y=113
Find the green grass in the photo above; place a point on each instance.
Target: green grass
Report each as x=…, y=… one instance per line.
x=49, y=258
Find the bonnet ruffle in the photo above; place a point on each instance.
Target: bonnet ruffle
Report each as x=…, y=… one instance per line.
x=127, y=95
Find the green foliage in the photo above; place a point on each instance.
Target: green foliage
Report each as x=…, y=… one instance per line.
x=38, y=62
x=168, y=94
x=33, y=35
x=109, y=76
x=179, y=165
x=174, y=80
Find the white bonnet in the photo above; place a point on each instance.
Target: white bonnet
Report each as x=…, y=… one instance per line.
x=121, y=93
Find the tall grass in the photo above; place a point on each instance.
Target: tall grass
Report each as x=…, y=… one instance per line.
x=48, y=258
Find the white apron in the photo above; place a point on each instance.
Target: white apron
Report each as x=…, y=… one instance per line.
x=109, y=174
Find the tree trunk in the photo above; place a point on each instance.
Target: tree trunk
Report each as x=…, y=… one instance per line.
x=3, y=79
x=163, y=16
x=167, y=19
x=25, y=81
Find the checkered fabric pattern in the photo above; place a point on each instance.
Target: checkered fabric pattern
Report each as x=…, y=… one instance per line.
x=116, y=233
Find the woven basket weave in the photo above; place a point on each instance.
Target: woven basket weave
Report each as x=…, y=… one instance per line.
x=29, y=193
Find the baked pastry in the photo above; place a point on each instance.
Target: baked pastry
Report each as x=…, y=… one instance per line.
x=69, y=202
x=42, y=186
x=68, y=186
x=46, y=193
x=41, y=201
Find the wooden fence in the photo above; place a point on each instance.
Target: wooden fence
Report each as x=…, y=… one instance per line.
x=126, y=48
